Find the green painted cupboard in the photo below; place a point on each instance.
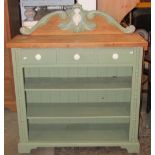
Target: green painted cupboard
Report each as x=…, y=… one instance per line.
x=77, y=87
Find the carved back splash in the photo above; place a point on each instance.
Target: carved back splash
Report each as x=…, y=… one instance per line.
x=75, y=21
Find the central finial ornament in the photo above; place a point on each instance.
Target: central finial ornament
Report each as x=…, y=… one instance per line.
x=77, y=17
x=77, y=20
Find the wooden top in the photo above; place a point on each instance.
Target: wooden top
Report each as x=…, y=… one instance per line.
x=75, y=41
x=77, y=28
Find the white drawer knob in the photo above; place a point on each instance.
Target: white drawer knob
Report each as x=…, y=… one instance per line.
x=76, y=57
x=115, y=56
x=24, y=58
x=38, y=57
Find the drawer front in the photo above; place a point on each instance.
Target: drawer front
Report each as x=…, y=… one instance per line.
x=95, y=56
x=77, y=56
x=82, y=96
x=38, y=56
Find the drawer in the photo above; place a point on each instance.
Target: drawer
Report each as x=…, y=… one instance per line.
x=95, y=56
x=38, y=56
x=77, y=56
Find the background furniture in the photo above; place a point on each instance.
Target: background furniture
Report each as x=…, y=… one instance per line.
x=141, y=19
x=11, y=28
x=76, y=90
x=25, y=4
x=86, y=5
x=117, y=9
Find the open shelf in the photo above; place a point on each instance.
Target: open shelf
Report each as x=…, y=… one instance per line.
x=35, y=110
x=78, y=133
x=78, y=112
x=78, y=83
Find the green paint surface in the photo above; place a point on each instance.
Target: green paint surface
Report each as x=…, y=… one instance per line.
x=63, y=102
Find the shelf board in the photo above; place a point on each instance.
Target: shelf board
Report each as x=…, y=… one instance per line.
x=82, y=120
x=35, y=110
x=78, y=133
x=78, y=83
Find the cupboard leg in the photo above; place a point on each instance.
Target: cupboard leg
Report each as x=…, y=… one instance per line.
x=24, y=148
x=132, y=148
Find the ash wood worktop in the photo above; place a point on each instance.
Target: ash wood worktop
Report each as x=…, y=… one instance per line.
x=71, y=41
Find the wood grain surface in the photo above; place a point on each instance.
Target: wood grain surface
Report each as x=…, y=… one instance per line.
x=102, y=27
x=117, y=8
x=75, y=41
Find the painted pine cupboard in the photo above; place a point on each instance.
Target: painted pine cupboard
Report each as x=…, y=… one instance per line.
x=77, y=80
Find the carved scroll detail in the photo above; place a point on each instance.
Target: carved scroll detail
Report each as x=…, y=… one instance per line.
x=111, y=20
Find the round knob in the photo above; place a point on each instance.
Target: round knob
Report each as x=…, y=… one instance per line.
x=131, y=52
x=115, y=56
x=24, y=58
x=76, y=57
x=38, y=57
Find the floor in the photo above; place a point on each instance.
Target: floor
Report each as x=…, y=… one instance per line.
x=11, y=140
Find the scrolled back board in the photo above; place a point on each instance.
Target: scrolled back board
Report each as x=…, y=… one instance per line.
x=76, y=21
x=51, y=28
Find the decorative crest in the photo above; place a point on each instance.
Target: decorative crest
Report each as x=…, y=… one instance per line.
x=77, y=20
